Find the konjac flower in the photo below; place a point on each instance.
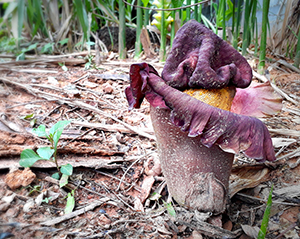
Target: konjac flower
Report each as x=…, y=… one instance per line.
x=192, y=114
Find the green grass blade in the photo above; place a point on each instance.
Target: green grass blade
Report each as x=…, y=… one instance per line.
x=122, y=31
x=233, y=17
x=139, y=25
x=70, y=203
x=237, y=25
x=82, y=17
x=163, y=42
x=246, y=27
x=297, y=57
x=21, y=9
x=224, y=19
x=263, y=39
x=266, y=217
x=188, y=10
x=107, y=9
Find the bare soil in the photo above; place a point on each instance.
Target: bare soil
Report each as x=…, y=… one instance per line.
x=116, y=168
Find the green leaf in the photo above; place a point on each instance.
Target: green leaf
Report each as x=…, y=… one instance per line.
x=64, y=41
x=145, y=2
x=40, y=131
x=28, y=116
x=28, y=158
x=32, y=122
x=64, y=68
x=90, y=43
x=170, y=209
x=46, y=200
x=155, y=196
x=63, y=180
x=31, y=47
x=82, y=16
x=57, y=129
x=177, y=3
x=70, y=203
x=47, y=48
x=264, y=224
x=21, y=10
x=20, y=57
x=66, y=169
x=55, y=176
x=87, y=65
x=45, y=152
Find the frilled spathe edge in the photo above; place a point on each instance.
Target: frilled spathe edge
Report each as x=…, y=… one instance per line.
x=258, y=100
x=232, y=132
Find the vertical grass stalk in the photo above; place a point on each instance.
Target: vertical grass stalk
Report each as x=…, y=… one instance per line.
x=188, y=10
x=237, y=26
x=21, y=9
x=173, y=15
x=139, y=25
x=233, y=17
x=256, y=38
x=122, y=31
x=246, y=29
x=297, y=57
x=263, y=37
x=163, y=40
x=196, y=15
x=224, y=20
x=265, y=221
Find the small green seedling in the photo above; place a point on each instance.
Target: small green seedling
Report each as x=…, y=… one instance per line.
x=63, y=66
x=265, y=221
x=46, y=200
x=34, y=189
x=70, y=202
x=170, y=209
x=31, y=118
x=29, y=157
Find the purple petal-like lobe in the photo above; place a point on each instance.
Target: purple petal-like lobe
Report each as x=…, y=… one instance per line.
x=232, y=132
x=200, y=59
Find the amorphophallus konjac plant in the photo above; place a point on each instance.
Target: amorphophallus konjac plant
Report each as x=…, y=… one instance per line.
x=201, y=115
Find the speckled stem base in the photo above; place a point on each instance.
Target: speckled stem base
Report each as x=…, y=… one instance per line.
x=197, y=176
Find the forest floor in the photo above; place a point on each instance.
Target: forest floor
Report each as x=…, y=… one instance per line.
x=117, y=182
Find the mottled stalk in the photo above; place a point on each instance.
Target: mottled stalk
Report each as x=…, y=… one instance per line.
x=197, y=176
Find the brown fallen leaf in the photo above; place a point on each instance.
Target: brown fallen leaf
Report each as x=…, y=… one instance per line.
x=146, y=188
x=247, y=177
x=19, y=178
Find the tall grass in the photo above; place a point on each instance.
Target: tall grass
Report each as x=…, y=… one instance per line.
x=139, y=26
x=265, y=221
x=122, y=31
x=297, y=57
x=263, y=39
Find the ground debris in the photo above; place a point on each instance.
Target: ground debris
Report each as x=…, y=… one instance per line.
x=119, y=189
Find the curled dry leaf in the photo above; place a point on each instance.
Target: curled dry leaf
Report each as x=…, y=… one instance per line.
x=146, y=188
x=247, y=177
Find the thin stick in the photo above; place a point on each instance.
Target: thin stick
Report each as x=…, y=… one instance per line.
x=129, y=169
x=76, y=103
x=75, y=213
